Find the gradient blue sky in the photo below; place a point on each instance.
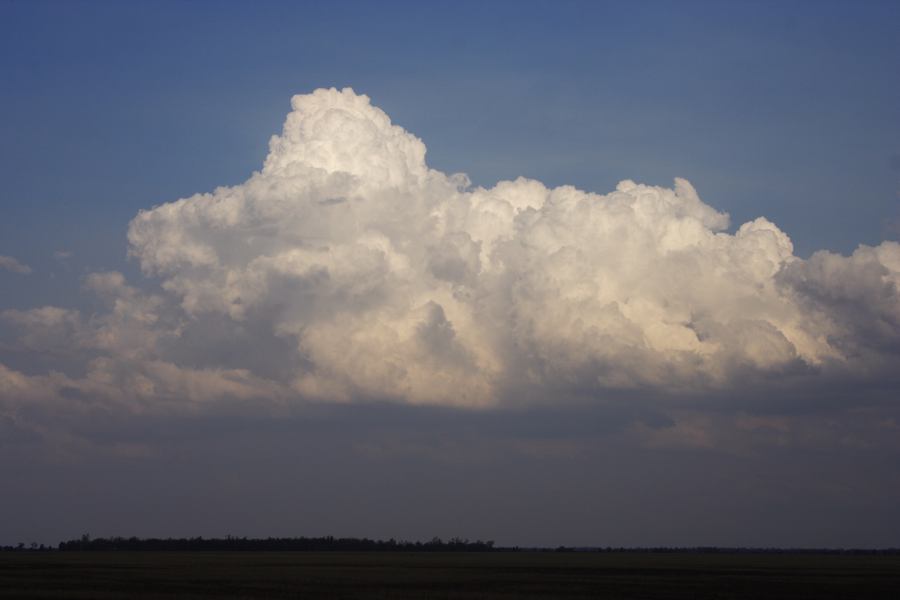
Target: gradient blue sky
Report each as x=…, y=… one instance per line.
x=788, y=110
x=782, y=109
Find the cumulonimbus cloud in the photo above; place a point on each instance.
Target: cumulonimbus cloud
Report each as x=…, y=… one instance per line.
x=346, y=269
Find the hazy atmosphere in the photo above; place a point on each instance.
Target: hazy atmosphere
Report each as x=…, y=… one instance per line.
x=642, y=289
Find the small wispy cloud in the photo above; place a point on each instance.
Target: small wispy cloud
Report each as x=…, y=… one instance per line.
x=11, y=264
x=62, y=254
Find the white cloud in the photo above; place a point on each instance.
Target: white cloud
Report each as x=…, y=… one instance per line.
x=11, y=264
x=347, y=270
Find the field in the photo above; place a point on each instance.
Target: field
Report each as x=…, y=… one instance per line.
x=445, y=575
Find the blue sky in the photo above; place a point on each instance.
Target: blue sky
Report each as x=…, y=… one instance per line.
x=787, y=110
x=561, y=366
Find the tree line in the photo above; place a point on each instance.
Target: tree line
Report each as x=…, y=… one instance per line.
x=349, y=544
x=274, y=544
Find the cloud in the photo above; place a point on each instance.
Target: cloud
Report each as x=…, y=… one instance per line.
x=347, y=270
x=11, y=264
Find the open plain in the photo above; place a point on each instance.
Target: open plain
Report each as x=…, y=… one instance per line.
x=619, y=575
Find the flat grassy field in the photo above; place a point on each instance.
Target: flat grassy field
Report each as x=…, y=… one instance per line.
x=445, y=575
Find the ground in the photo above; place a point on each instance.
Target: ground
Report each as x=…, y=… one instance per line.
x=191, y=575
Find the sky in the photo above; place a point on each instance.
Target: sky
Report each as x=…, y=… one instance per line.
x=581, y=273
